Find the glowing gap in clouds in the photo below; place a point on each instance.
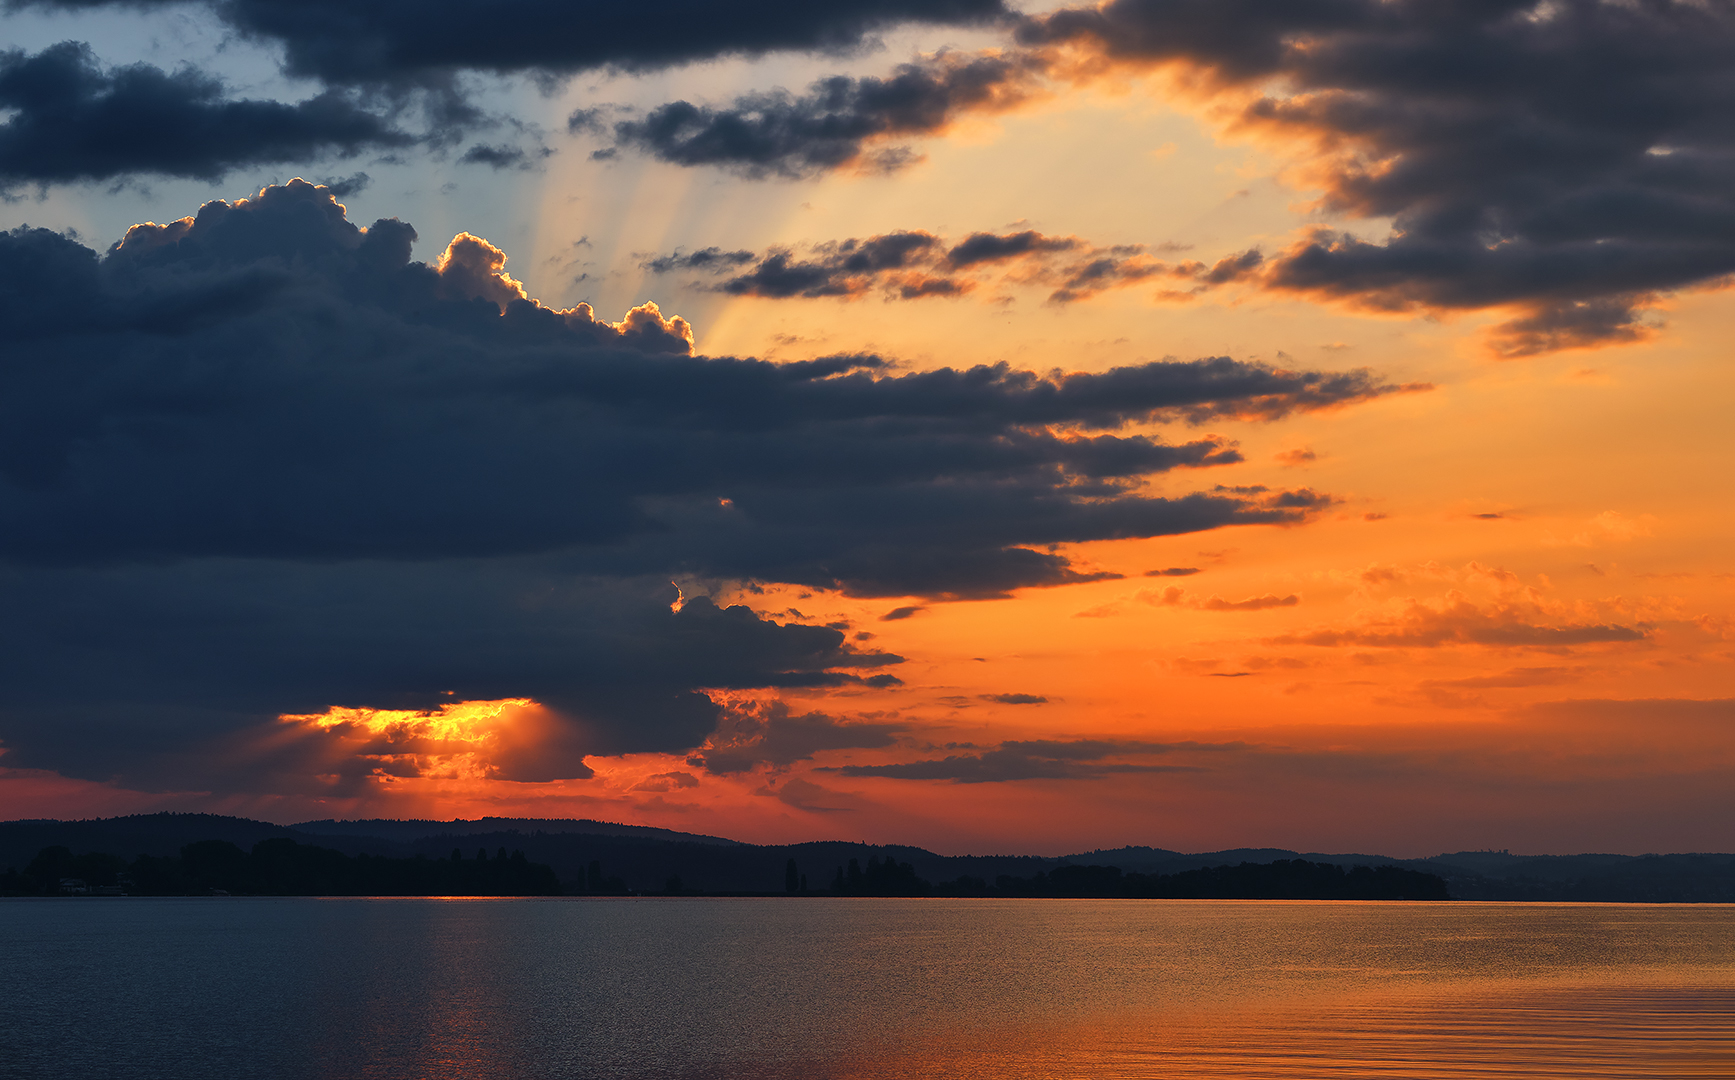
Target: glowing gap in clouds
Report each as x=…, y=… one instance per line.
x=457, y=741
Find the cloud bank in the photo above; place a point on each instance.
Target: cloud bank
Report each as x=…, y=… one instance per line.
x=71, y=119
x=260, y=461
x=1571, y=159
x=913, y=264
x=1568, y=163
x=410, y=42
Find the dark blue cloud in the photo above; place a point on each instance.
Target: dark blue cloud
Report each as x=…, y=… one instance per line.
x=371, y=42
x=67, y=118
x=260, y=460
x=1574, y=158
x=839, y=122
x=912, y=264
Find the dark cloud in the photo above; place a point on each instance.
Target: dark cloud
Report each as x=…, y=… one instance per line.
x=261, y=461
x=505, y=156
x=769, y=735
x=1104, y=272
x=1173, y=571
x=67, y=118
x=709, y=259
x=1033, y=759
x=840, y=121
x=1016, y=699
x=123, y=671
x=349, y=185
x=913, y=265
x=375, y=42
x=902, y=613
x=989, y=247
x=1574, y=159
x=847, y=268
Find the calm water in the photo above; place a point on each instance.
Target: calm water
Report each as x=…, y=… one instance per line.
x=818, y=989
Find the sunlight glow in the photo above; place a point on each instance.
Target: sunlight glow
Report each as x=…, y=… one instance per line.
x=456, y=741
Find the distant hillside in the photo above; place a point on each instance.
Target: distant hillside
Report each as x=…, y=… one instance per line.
x=1677, y=879
x=129, y=837
x=641, y=859
x=411, y=830
x=1147, y=860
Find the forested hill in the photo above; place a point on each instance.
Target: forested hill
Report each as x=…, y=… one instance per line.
x=602, y=857
x=411, y=830
x=276, y=866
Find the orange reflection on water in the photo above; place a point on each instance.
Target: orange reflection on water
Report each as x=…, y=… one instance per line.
x=1556, y=1032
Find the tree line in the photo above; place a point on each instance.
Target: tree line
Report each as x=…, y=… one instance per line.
x=278, y=867
x=1285, y=879
x=283, y=867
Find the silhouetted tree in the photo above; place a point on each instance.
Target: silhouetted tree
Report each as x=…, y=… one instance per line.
x=888, y=878
x=215, y=865
x=791, y=878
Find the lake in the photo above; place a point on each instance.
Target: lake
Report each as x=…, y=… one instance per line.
x=818, y=989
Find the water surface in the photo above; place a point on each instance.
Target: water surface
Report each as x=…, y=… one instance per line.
x=861, y=988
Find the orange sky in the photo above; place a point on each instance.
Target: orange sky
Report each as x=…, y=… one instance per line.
x=1514, y=627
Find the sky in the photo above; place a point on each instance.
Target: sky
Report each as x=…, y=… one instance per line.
x=996, y=428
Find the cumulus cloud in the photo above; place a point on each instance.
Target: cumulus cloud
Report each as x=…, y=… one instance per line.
x=67, y=118
x=1568, y=164
x=118, y=672
x=912, y=264
x=1573, y=160
x=343, y=750
x=386, y=42
x=260, y=461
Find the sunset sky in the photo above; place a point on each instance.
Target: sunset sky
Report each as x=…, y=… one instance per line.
x=997, y=428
